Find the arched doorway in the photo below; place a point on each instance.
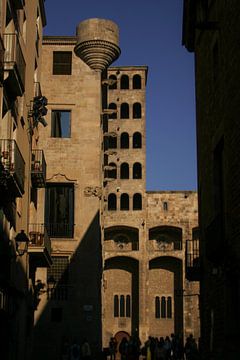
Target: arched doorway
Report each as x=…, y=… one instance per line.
x=119, y=336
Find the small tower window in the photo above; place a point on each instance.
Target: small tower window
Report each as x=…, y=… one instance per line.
x=137, y=202
x=124, y=171
x=112, y=173
x=124, y=82
x=137, y=111
x=124, y=202
x=165, y=206
x=124, y=113
x=137, y=171
x=137, y=82
x=114, y=85
x=112, y=142
x=112, y=202
x=137, y=140
x=124, y=140
x=114, y=114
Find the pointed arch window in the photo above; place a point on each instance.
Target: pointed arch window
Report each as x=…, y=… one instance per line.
x=124, y=112
x=137, y=202
x=137, y=111
x=124, y=82
x=112, y=106
x=114, y=85
x=137, y=171
x=124, y=202
x=124, y=171
x=137, y=82
x=124, y=141
x=112, y=202
x=137, y=140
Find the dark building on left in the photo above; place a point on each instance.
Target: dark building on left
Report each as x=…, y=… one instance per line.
x=24, y=244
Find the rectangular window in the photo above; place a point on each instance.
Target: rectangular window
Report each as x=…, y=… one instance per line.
x=59, y=210
x=57, y=279
x=62, y=63
x=61, y=124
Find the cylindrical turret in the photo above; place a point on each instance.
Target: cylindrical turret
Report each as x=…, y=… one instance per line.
x=97, y=43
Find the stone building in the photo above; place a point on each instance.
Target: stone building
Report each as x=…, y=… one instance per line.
x=210, y=30
x=118, y=251
x=21, y=173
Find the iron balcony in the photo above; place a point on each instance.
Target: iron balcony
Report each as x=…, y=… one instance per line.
x=38, y=169
x=39, y=247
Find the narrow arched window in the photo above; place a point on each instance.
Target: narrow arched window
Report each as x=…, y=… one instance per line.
x=113, y=86
x=124, y=141
x=112, y=106
x=124, y=171
x=137, y=171
x=112, y=142
x=137, y=140
x=122, y=306
x=124, y=202
x=157, y=307
x=163, y=307
x=128, y=306
x=137, y=82
x=116, y=306
x=124, y=82
x=137, y=111
x=169, y=307
x=112, y=172
x=112, y=202
x=124, y=112
x=137, y=202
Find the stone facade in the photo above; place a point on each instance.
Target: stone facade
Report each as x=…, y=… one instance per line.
x=210, y=31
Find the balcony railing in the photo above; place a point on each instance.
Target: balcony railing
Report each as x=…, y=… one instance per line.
x=192, y=260
x=60, y=230
x=1, y=60
x=13, y=167
x=15, y=64
x=39, y=245
x=38, y=169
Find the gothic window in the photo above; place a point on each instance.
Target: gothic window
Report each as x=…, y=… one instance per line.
x=137, y=82
x=124, y=82
x=124, y=141
x=169, y=307
x=124, y=112
x=62, y=63
x=113, y=172
x=59, y=209
x=122, y=306
x=112, y=106
x=124, y=202
x=137, y=140
x=163, y=307
x=137, y=202
x=137, y=171
x=128, y=306
x=157, y=307
x=61, y=123
x=113, y=86
x=116, y=306
x=124, y=171
x=112, y=202
x=137, y=111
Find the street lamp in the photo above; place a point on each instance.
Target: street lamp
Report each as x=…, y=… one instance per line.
x=21, y=243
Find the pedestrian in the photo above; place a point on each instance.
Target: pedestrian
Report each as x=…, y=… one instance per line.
x=112, y=348
x=75, y=351
x=123, y=348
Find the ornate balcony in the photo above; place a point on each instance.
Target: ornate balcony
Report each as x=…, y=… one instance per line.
x=12, y=168
x=15, y=65
x=192, y=260
x=39, y=247
x=1, y=60
x=38, y=169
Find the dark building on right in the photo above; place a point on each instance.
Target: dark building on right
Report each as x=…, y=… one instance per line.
x=211, y=29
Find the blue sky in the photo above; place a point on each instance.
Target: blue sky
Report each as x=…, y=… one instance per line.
x=150, y=34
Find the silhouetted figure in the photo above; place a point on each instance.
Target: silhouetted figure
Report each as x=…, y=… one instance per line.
x=75, y=351
x=112, y=348
x=123, y=348
x=86, y=350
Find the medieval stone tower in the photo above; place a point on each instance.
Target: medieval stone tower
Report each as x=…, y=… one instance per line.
x=118, y=251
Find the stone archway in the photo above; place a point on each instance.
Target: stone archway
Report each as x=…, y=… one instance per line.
x=119, y=336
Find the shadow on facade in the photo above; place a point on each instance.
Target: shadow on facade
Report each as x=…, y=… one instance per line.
x=174, y=265
x=73, y=310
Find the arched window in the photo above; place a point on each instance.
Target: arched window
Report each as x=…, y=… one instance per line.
x=157, y=307
x=112, y=142
x=124, y=202
x=163, y=307
x=137, y=140
x=114, y=114
x=114, y=85
x=128, y=306
x=112, y=202
x=169, y=307
x=122, y=306
x=124, y=82
x=137, y=82
x=124, y=171
x=124, y=141
x=116, y=306
x=137, y=111
x=124, y=112
x=137, y=171
x=112, y=173
x=137, y=202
